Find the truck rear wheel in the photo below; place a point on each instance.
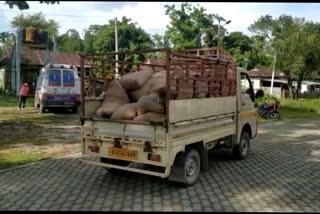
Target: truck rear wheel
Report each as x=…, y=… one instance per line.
x=241, y=150
x=188, y=164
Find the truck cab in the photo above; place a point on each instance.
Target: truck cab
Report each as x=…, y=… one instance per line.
x=58, y=86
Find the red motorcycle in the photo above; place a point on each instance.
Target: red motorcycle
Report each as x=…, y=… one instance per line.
x=270, y=110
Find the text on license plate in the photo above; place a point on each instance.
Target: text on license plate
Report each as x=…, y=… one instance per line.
x=123, y=153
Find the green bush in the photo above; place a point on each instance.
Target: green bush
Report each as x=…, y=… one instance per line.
x=6, y=92
x=266, y=99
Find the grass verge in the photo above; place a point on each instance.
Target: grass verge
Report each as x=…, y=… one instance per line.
x=296, y=109
x=28, y=136
x=11, y=101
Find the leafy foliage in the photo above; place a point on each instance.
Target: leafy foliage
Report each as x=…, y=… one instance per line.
x=6, y=41
x=70, y=41
x=190, y=27
x=23, y=5
x=37, y=21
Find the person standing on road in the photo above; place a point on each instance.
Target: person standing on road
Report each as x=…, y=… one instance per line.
x=24, y=90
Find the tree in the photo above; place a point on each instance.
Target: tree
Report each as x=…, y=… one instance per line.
x=70, y=41
x=310, y=53
x=23, y=5
x=91, y=35
x=101, y=38
x=37, y=21
x=289, y=47
x=248, y=52
x=161, y=41
x=6, y=41
x=190, y=27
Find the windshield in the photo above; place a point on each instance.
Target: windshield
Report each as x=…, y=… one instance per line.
x=54, y=77
x=68, y=78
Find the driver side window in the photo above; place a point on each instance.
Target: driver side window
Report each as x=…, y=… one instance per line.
x=246, y=86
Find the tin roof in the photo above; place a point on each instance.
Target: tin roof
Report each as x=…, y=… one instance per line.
x=36, y=57
x=263, y=72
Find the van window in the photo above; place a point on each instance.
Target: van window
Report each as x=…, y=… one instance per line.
x=54, y=77
x=68, y=78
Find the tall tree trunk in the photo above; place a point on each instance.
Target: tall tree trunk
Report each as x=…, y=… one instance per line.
x=300, y=79
x=290, y=88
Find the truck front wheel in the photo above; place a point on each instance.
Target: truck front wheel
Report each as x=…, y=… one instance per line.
x=241, y=150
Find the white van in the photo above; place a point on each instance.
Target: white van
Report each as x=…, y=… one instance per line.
x=58, y=86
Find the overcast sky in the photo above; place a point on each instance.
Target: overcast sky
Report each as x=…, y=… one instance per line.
x=151, y=15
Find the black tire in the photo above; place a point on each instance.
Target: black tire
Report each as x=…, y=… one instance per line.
x=191, y=163
x=42, y=108
x=241, y=150
x=273, y=115
x=115, y=162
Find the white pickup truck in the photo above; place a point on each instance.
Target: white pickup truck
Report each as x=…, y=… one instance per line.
x=178, y=148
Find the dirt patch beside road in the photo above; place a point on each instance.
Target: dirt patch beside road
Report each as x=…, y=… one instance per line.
x=28, y=136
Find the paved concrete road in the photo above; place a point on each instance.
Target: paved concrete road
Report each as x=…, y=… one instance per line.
x=281, y=174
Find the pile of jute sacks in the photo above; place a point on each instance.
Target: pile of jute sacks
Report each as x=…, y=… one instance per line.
x=140, y=96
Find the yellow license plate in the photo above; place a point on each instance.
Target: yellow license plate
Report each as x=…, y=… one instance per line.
x=68, y=103
x=123, y=153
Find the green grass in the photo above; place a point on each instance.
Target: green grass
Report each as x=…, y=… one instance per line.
x=19, y=157
x=11, y=101
x=30, y=129
x=299, y=109
x=295, y=109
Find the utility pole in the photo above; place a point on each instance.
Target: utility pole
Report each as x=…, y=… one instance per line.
x=18, y=58
x=54, y=49
x=273, y=70
x=116, y=40
x=218, y=33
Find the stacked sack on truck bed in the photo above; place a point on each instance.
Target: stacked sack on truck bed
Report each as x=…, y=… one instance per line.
x=136, y=96
x=140, y=96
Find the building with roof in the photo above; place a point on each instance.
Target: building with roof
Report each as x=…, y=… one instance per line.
x=32, y=60
x=262, y=77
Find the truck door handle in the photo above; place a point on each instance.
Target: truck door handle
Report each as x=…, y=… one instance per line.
x=242, y=104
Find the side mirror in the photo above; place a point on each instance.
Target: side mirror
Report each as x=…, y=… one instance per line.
x=259, y=94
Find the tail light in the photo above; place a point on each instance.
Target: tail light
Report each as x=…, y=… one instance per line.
x=95, y=149
x=78, y=97
x=154, y=157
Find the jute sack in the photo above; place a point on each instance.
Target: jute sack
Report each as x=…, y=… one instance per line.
x=144, y=90
x=116, y=96
x=99, y=112
x=158, y=84
x=151, y=117
x=125, y=112
x=135, y=80
x=150, y=103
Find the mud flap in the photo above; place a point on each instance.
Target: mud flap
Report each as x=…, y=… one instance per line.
x=204, y=159
x=177, y=172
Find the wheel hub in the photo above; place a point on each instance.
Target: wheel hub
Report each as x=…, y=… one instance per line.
x=244, y=147
x=191, y=167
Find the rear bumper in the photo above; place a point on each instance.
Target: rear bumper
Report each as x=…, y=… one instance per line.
x=67, y=104
x=130, y=169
